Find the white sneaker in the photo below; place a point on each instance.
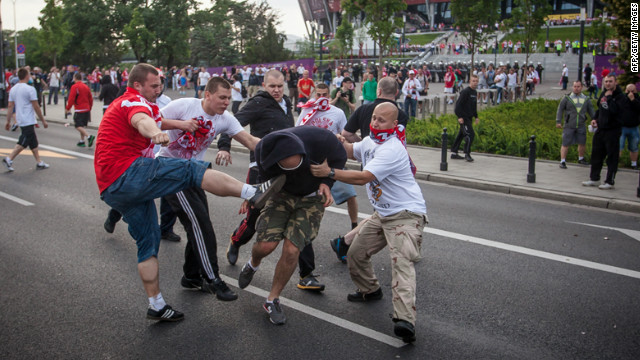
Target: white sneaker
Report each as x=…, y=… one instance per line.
x=605, y=186
x=8, y=163
x=42, y=165
x=589, y=183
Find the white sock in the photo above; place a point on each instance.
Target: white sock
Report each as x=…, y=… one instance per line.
x=157, y=302
x=255, y=268
x=247, y=191
x=563, y=160
x=580, y=157
x=269, y=301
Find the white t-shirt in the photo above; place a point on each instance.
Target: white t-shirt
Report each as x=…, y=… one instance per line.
x=512, y=80
x=565, y=71
x=54, y=79
x=337, y=81
x=333, y=119
x=191, y=108
x=203, y=77
x=22, y=95
x=394, y=189
x=594, y=79
x=411, y=87
x=235, y=94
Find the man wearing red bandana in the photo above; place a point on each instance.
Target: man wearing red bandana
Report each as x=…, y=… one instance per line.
x=200, y=256
x=129, y=178
x=398, y=220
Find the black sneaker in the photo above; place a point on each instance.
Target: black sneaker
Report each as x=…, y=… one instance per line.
x=455, y=156
x=563, y=165
x=246, y=275
x=90, y=140
x=405, y=330
x=164, y=314
x=220, y=289
x=468, y=157
x=362, y=297
x=191, y=283
x=109, y=226
x=340, y=248
x=80, y=144
x=171, y=236
x=310, y=282
x=276, y=315
x=232, y=253
x=265, y=190
x=583, y=162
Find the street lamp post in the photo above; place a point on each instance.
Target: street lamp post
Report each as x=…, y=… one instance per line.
x=15, y=34
x=580, y=47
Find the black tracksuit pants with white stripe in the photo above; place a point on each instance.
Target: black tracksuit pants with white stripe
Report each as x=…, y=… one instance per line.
x=200, y=254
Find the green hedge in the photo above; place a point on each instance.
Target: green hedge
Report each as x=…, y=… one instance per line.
x=505, y=130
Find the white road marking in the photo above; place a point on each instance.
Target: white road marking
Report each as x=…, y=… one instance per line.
x=523, y=250
x=359, y=329
x=635, y=234
x=53, y=148
x=16, y=199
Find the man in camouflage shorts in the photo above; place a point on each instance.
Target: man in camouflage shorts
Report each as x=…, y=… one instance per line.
x=294, y=214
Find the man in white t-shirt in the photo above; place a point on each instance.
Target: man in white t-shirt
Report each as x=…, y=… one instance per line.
x=498, y=83
x=398, y=219
x=319, y=113
x=203, y=77
x=24, y=99
x=236, y=93
x=201, y=262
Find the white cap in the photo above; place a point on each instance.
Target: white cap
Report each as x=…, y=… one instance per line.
x=411, y=72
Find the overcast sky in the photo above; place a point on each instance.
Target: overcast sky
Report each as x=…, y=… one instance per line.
x=27, y=12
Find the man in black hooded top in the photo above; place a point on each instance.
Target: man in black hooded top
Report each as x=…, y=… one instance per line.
x=295, y=213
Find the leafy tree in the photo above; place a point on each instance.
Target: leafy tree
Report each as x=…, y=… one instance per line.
x=33, y=53
x=343, y=38
x=172, y=35
x=621, y=10
x=529, y=15
x=140, y=35
x=211, y=38
x=470, y=15
x=599, y=29
x=54, y=34
x=381, y=18
x=268, y=48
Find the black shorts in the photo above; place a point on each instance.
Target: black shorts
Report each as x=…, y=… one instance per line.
x=81, y=119
x=28, y=137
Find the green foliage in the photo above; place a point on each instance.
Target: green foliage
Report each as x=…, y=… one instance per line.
x=54, y=34
x=622, y=10
x=421, y=39
x=469, y=15
x=382, y=18
x=343, y=38
x=558, y=32
x=504, y=130
x=139, y=34
x=599, y=27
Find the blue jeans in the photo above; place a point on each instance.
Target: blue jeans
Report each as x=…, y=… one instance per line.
x=632, y=135
x=53, y=91
x=132, y=195
x=410, y=102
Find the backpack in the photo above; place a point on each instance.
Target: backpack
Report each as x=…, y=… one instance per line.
x=243, y=91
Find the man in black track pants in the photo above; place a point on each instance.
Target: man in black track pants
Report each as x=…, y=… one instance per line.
x=466, y=109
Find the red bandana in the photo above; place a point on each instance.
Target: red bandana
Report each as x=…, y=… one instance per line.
x=321, y=104
x=380, y=136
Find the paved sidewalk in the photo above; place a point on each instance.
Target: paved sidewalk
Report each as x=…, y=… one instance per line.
x=488, y=172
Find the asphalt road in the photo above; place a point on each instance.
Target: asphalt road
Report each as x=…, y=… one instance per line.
x=503, y=277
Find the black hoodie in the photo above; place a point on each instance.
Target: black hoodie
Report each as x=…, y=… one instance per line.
x=314, y=144
x=263, y=114
x=608, y=114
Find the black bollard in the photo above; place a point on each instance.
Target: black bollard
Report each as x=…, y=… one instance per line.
x=531, y=176
x=443, y=160
x=44, y=104
x=65, y=109
x=638, y=190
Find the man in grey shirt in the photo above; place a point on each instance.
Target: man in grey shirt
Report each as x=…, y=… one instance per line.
x=575, y=107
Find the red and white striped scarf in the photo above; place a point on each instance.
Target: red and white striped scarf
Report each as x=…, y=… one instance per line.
x=321, y=104
x=380, y=136
x=188, y=140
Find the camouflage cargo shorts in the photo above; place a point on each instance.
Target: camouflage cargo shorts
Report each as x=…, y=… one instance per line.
x=293, y=217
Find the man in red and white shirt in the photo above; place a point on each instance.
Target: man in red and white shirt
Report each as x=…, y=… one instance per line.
x=80, y=97
x=129, y=178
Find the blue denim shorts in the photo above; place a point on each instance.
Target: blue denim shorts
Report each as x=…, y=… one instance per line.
x=633, y=135
x=132, y=194
x=342, y=192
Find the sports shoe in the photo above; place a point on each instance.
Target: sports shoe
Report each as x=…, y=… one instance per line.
x=455, y=156
x=563, y=165
x=232, y=253
x=468, y=157
x=171, y=236
x=265, y=190
x=91, y=139
x=605, y=186
x=310, y=282
x=164, y=314
x=583, y=162
x=362, y=297
x=276, y=315
x=590, y=183
x=220, y=289
x=8, y=163
x=14, y=127
x=246, y=275
x=109, y=226
x=191, y=283
x=42, y=165
x=80, y=144
x=405, y=330
x=340, y=248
